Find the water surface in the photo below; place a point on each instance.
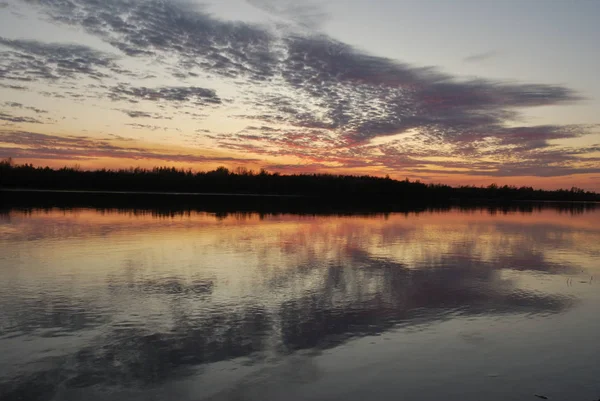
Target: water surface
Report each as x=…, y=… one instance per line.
x=126, y=304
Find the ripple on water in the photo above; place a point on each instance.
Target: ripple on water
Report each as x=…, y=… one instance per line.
x=361, y=298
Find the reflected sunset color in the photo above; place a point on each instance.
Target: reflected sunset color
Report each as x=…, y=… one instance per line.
x=196, y=305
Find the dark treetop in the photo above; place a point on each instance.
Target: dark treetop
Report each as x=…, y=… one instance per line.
x=344, y=188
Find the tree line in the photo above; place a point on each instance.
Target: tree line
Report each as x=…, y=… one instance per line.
x=346, y=188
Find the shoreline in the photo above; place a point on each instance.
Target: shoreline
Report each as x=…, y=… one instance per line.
x=111, y=192
x=225, y=203
x=283, y=196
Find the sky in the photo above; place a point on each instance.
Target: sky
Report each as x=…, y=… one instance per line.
x=463, y=92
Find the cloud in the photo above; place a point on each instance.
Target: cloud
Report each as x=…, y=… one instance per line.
x=31, y=60
x=18, y=119
x=147, y=127
x=518, y=151
x=365, y=97
x=150, y=28
x=120, y=138
x=31, y=145
x=21, y=106
x=194, y=95
x=144, y=114
x=326, y=101
x=330, y=84
x=13, y=87
x=479, y=57
x=137, y=114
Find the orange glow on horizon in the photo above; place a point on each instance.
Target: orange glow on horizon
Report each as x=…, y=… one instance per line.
x=588, y=182
x=145, y=154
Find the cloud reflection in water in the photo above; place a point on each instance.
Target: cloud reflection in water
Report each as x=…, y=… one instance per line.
x=119, y=300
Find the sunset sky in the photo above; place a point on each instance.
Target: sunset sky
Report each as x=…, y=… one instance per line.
x=457, y=92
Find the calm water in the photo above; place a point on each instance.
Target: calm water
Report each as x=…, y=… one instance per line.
x=124, y=305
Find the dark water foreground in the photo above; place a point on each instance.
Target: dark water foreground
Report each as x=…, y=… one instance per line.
x=177, y=303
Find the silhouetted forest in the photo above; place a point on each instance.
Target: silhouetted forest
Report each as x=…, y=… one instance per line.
x=343, y=188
